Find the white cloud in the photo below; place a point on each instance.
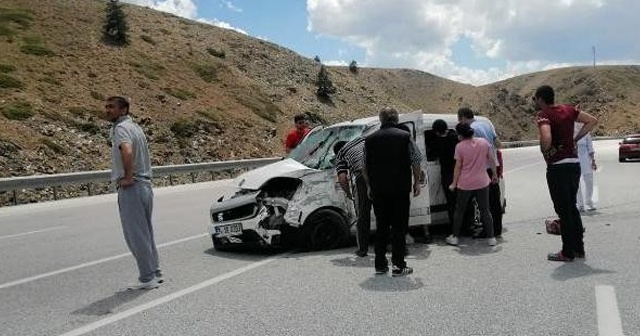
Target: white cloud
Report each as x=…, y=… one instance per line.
x=184, y=8
x=519, y=35
x=232, y=7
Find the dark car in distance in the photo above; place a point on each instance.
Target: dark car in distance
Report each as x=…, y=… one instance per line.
x=629, y=147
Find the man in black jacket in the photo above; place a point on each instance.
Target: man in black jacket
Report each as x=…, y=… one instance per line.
x=389, y=164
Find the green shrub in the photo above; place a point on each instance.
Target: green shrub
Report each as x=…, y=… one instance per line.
x=8, y=82
x=18, y=111
x=97, y=96
x=50, y=80
x=35, y=40
x=36, y=49
x=148, y=39
x=216, y=53
x=58, y=149
x=79, y=110
x=179, y=93
x=208, y=73
x=4, y=68
x=20, y=17
x=184, y=128
x=88, y=127
x=6, y=31
x=148, y=69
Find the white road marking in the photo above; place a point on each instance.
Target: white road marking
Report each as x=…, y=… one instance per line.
x=522, y=167
x=91, y=263
x=34, y=231
x=609, y=323
x=176, y=295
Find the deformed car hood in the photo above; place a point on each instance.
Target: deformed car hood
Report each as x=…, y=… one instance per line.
x=255, y=178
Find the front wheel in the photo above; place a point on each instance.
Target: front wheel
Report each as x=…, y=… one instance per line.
x=326, y=229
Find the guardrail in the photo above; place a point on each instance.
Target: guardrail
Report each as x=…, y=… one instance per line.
x=42, y=181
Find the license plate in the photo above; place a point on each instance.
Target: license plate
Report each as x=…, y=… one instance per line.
x=229, y=229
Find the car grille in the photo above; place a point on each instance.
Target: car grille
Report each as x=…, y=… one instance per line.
x=247, y=210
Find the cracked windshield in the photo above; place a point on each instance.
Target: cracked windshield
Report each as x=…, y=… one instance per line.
x=316, y=151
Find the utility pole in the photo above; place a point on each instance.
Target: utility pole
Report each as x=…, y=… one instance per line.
x=593, y=48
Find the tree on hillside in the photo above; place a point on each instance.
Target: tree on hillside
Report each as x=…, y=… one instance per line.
x=317, y=59
x=325, y=86
x=353, y=67
x=114, y=31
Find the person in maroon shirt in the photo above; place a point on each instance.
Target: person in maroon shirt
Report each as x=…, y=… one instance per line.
x=298, y=133
x=558, y=146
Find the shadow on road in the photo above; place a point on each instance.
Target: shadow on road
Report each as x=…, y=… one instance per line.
x=108, y=304
x=387, y=283
x=576, y=269
x=416, y=252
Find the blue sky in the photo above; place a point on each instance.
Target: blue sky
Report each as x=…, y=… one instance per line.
x=470, y=41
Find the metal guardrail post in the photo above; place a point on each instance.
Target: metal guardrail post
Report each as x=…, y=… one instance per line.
x=15, y=197
x=89, y=189
x=170, y=180
x=193, y=177
x=55, y=193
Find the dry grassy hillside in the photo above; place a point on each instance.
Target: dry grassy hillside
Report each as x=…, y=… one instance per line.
x=204, y=93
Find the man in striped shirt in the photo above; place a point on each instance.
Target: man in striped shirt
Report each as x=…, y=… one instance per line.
x=350, y=160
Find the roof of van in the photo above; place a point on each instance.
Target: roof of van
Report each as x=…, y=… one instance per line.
x=428, y=119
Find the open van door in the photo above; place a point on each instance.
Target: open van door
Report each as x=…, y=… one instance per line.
x=419, y=213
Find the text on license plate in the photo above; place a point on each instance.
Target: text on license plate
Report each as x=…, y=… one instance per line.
x=229, y=229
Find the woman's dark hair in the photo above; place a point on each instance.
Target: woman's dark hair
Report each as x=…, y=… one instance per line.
x=464, y=130
x=439, y=126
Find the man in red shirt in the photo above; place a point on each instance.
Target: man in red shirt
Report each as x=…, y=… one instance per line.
x=558, y=146
x=298, y=133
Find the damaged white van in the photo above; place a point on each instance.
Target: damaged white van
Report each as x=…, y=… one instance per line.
x=298, y=201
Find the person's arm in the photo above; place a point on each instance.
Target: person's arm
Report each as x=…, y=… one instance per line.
x=491, y=157
x=591, y=151
x=343, y=180
x=588, y=121
x=456, y=174
x=544, y=133
x=126, y=152
x=415, y=168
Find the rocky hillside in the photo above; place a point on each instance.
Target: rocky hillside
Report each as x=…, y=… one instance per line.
x=204, y=93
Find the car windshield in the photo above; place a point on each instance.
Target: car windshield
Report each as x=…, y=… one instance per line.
x=316, y=150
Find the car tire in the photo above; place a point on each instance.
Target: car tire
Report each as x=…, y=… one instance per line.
x=621, y=159
x=325, y=229
x=217, y=246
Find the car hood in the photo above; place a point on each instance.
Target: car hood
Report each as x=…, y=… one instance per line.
x=255, y=178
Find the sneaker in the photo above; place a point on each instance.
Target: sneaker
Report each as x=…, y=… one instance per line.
x=382, y=270
x=151, y=284
x=558, y=257
x=159, y=276
x=398, y=272
x=452, y=240
x=492, y=242
x=361, y=254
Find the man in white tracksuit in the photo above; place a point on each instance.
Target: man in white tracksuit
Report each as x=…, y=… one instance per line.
x=586, y=154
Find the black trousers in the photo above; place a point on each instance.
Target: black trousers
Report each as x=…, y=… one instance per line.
x=563, y=181
x=495, y=206
x=392, y=216
x=363, y=208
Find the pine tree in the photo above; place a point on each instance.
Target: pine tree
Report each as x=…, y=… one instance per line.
x=114, y=31
x=353, y=67
x=325, y=86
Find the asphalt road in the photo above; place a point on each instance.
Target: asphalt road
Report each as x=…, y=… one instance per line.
x=65, y=268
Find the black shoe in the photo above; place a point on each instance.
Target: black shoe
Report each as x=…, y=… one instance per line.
x=398, y=272
x=579, y=255
x=361, y=254
x=382, y=270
